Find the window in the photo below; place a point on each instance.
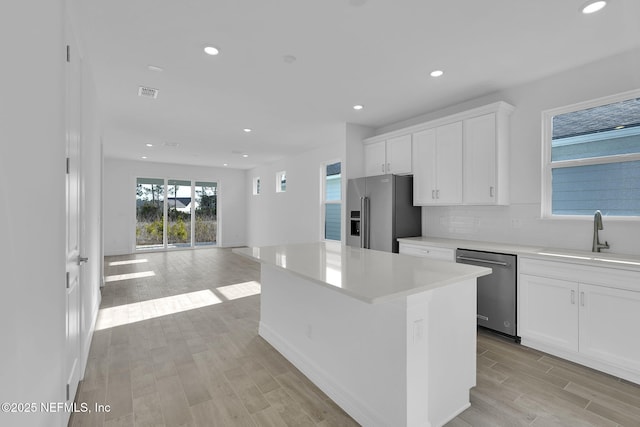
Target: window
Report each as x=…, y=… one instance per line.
x=592, y=158
x=281, y=182
x=186, y=216
x=256, y=185
x=332, y=201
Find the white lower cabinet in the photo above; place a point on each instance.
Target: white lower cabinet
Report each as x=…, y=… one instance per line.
x=596, y=324
x=548, y=311
x=609, y=325
x=424, y=251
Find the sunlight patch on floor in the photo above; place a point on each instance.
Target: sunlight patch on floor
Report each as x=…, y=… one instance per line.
x=240, y=290
x=111, y=317
x=127, y=262
x=129, y=276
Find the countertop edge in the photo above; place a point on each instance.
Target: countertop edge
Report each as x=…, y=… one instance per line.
x=596, y=259
x=482, y=271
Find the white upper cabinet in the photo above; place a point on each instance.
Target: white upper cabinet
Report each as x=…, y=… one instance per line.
x=399, y=155
x=390, y=156
x=480, y=159
x=486, y=159
x=457, y=159
x=437, y=165
x=375, y=160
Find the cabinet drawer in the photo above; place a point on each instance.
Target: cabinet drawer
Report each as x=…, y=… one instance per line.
x=443, y=254
x=582, y=273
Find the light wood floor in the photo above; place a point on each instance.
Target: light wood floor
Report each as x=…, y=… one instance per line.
x=178, y=346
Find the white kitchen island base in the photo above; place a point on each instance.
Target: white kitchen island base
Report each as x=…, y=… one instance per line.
x=407, y=361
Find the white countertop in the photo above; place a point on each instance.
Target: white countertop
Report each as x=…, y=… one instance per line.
x=601, y=259
x=367, y=275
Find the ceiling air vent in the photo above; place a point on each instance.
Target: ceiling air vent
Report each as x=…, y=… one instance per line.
x=147, y=92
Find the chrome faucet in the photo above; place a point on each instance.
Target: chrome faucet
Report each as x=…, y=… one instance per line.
x=597, y=225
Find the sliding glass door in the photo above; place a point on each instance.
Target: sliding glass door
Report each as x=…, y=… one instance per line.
x=179, y=205
x=206, y=204
x=175, y=213
x=149, y=213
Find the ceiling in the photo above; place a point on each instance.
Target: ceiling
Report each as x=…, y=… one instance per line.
x=377, y=53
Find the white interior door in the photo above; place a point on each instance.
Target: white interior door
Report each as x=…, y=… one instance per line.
x=73, y=134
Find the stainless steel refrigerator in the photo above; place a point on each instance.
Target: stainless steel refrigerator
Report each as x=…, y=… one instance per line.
x=380, y=210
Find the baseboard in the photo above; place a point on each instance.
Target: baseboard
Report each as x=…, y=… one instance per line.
x=332, y=388
x=456, y=413
x=587, y=361
x=232, y=245
x=87, y=347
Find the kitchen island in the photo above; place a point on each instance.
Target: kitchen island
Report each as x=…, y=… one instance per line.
x=390, y=338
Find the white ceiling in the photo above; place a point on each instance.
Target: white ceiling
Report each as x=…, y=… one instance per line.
x=373, y=52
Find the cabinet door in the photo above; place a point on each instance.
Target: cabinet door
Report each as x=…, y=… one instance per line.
x=449, y=164
x=480, y=160
x=424, y=171
x=609, y=320
x=374, y=159
x=399, y=155
x=549, y=311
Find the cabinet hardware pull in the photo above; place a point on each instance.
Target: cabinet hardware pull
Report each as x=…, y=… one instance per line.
x=433, y=194
x=491, y=191
x=485, y=261
x=382, y=167
x=388, y=167
x=582, y=299
x=573, y=297
x=437, y=194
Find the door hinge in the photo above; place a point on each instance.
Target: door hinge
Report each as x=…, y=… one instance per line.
x=68, y=391
x=68, y=53
x=67, y=280
x=68, y=164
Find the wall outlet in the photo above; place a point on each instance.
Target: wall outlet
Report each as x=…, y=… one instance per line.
x=418, y=330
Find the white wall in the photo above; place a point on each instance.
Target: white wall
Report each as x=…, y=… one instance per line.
x=520, y=222
x=91, y=222
x=120, y=198
x=355, y=154
x=292, y=216
x=32, y=208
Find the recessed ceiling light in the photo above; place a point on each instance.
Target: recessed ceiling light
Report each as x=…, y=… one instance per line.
x=149, y=145
x=593, y=6
x=225, y=164
x=358, y=107
x=154, y=68
x=144, y=157
x=436, y=73
x=289, y=59
x=210, y=50
x=247, y=130
x=245, y=155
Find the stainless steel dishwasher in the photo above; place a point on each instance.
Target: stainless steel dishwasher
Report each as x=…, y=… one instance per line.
x=496, y=292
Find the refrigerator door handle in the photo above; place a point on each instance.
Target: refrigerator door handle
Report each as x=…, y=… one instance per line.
x=366, y=212
x=363, y=221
